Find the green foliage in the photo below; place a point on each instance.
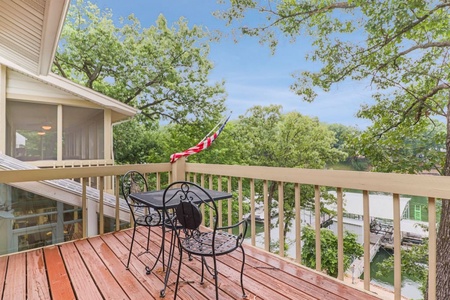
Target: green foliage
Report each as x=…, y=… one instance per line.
x=410, y=148
x=414, y=264
x=270, y=138
x=329, y=248
x=400, y=47
x=161, y=70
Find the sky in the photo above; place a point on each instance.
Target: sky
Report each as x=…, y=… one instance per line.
x=253, y=76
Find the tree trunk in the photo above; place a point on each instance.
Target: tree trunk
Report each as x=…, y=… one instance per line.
x=443, y=235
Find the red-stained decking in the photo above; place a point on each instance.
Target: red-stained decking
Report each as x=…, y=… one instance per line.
x=94, y=268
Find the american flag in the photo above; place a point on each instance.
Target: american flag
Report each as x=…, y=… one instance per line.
x=202, y=145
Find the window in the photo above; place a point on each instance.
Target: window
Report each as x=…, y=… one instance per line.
x=31, y=131
x=83, y=133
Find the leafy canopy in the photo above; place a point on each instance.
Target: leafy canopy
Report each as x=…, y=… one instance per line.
x=161, y=70
x=399, y=48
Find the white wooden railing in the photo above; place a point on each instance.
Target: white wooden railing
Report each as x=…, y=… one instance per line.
x=239, y=179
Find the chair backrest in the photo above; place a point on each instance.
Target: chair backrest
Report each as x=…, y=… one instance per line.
x=183, y=199
x=133, y=182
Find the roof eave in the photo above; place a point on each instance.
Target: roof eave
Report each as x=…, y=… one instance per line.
x=55, y=14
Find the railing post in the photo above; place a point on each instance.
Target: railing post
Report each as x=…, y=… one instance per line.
x=179, y=169
x=101, y=204
x=116, y=193
x=84, y=207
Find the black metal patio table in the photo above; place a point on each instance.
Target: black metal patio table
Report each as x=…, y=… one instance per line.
x=154, y=199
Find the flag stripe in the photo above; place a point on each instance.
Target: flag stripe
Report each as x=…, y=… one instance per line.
x=202, y=145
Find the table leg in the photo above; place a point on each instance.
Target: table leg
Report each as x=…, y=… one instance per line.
x=162, y=293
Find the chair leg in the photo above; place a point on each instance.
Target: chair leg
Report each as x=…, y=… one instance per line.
x=203, y=270
x=216, y=275
x=242, y=273
x=178, y=275
x=173, y=240
x=131, y=247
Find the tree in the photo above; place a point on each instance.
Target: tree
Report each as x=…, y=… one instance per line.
x=329, y=248
x=345, y=136
x=163, y=71
x=402, y=53
x=267, y=137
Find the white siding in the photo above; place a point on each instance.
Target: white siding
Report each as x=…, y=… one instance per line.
x=19, y=84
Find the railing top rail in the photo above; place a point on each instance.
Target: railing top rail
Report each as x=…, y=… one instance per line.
x=406, y=184
x=8, y=176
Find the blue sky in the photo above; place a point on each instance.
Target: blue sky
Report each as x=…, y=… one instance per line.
x=252, y=74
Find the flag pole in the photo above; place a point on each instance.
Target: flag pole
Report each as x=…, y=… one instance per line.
x=217, y=125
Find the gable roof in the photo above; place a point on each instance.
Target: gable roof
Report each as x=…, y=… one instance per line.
x=78, y=91
x=30, y=30
x=29, y=34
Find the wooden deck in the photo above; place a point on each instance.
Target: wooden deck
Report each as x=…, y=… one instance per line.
x=94, y=268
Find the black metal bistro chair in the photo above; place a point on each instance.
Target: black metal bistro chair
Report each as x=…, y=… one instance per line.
x=185, y=203
x=135, y=182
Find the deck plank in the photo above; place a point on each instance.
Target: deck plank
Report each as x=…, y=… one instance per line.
x=105, y=281
x=82, y=282
x=320, y=282
x=60, y=287
x=94, y=268
x=187, y=292
x=15, y=281
x=115, y=242
x=231, y=289
x=134, y=288
x=37, y=281
x=3, y=268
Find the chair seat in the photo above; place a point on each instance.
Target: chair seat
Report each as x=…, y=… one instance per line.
x=201, y=243
x=153, y=219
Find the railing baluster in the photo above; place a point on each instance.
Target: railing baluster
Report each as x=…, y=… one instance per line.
x=202, y=208
x=211, y=223
x=397, y=249
x=432, y=248
x=267, y=216
x=340, y=233
x=252, y=212
x=298, y=224
x=366, y=221
x=230, y=206
x=240, y=200
x=220, y=203
x=317, y=227
x=281, y=217
x=158, y=181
